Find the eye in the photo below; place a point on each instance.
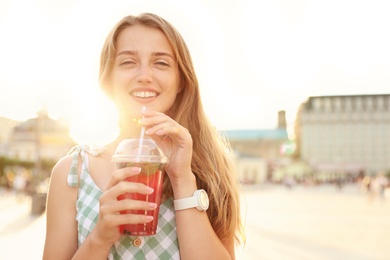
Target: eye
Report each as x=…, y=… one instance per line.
x=162, y=63
x=126, y=62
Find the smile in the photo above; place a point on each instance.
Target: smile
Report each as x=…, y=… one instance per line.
x=144, y=94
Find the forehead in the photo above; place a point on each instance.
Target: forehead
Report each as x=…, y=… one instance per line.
x=141, y=38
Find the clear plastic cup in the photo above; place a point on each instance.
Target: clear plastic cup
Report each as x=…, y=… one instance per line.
x=152, y=161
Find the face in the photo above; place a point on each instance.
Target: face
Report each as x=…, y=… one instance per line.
x=145, y=72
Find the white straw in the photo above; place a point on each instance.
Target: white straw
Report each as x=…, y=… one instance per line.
x=141, y=139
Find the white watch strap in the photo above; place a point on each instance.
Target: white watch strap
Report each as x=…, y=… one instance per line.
x=186, y=203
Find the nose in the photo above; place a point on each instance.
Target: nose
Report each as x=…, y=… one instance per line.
x=145, y=74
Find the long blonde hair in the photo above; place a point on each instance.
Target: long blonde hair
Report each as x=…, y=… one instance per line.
x=212, y=161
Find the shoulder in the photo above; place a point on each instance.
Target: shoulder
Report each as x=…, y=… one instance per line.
x=69, y=166
x=61, y=169
x=60, y=192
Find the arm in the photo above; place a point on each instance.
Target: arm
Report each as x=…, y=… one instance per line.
x=106, y=232
x=61, y=226
x=197, y=238
x=61, y=235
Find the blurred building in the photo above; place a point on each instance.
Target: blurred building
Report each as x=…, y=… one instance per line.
x=6, y=127
x=345, y=135
x=39, y=138
x=258, y=151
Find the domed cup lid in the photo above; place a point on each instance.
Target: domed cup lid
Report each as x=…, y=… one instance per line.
x=129, y=150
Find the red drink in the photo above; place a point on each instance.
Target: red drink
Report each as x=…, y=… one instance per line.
x=143, y=153
x=152, y=176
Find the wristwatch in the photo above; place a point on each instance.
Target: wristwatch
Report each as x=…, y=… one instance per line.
x=200, y=201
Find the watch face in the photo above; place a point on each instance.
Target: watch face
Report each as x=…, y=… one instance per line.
x=204, y=200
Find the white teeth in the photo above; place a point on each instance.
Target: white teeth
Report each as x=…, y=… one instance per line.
x=144, y=94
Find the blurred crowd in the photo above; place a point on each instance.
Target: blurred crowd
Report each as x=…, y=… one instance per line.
x=20, y=182
x=376, y=187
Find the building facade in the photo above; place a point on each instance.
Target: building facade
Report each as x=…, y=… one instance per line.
x=345, y=134
x=39, y=138
x=258, y=151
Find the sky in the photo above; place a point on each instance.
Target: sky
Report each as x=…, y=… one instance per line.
x=252, y=57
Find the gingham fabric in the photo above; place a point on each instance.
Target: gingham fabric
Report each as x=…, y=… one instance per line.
x=163, y=245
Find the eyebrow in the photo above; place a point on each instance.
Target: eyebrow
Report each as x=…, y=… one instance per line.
x=159, y=53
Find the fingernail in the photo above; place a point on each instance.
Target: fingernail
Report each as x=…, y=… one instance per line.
x=141, y=121
x=136, y=169
x=149, y=189
x=149, y=218
x=152, y=205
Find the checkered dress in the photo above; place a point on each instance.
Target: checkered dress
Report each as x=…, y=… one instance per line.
x=163, y=245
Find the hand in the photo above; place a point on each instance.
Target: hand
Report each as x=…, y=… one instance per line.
x=107, y=227
x=173, y=139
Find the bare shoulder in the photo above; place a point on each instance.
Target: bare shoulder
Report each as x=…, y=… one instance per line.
x=61, y=214
x=60, y=171
x=59, y=177
x=63, y=164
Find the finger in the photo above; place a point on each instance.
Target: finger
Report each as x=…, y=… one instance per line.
x=155, y=120
x=133, y=219
x=111, y=218
x=127, y=207
x=176, y=133
x=132, y=204
x=161, y=124
x=121, y=174
x=126, y=204
x=111, y=195
x=162, y=129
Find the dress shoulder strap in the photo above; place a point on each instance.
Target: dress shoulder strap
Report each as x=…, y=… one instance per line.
x=73, y=177
x=77, y=152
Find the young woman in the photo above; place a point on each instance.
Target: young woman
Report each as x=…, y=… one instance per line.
x=145, y=62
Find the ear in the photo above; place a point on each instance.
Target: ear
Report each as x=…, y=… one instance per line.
x=180, y=89
x=181, y=85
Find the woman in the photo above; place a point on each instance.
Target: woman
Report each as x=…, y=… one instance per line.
x=145, y=62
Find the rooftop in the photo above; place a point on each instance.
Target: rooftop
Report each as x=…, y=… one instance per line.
x=257, y=134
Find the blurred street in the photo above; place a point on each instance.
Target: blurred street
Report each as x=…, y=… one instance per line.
x=21, y=234
x=319, y=222
x=300, y=223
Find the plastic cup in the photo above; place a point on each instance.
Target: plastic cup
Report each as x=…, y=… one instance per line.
x=152, y=162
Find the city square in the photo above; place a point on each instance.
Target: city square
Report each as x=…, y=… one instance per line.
x=302, y=100
x=304, y=222
x=317, y=222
